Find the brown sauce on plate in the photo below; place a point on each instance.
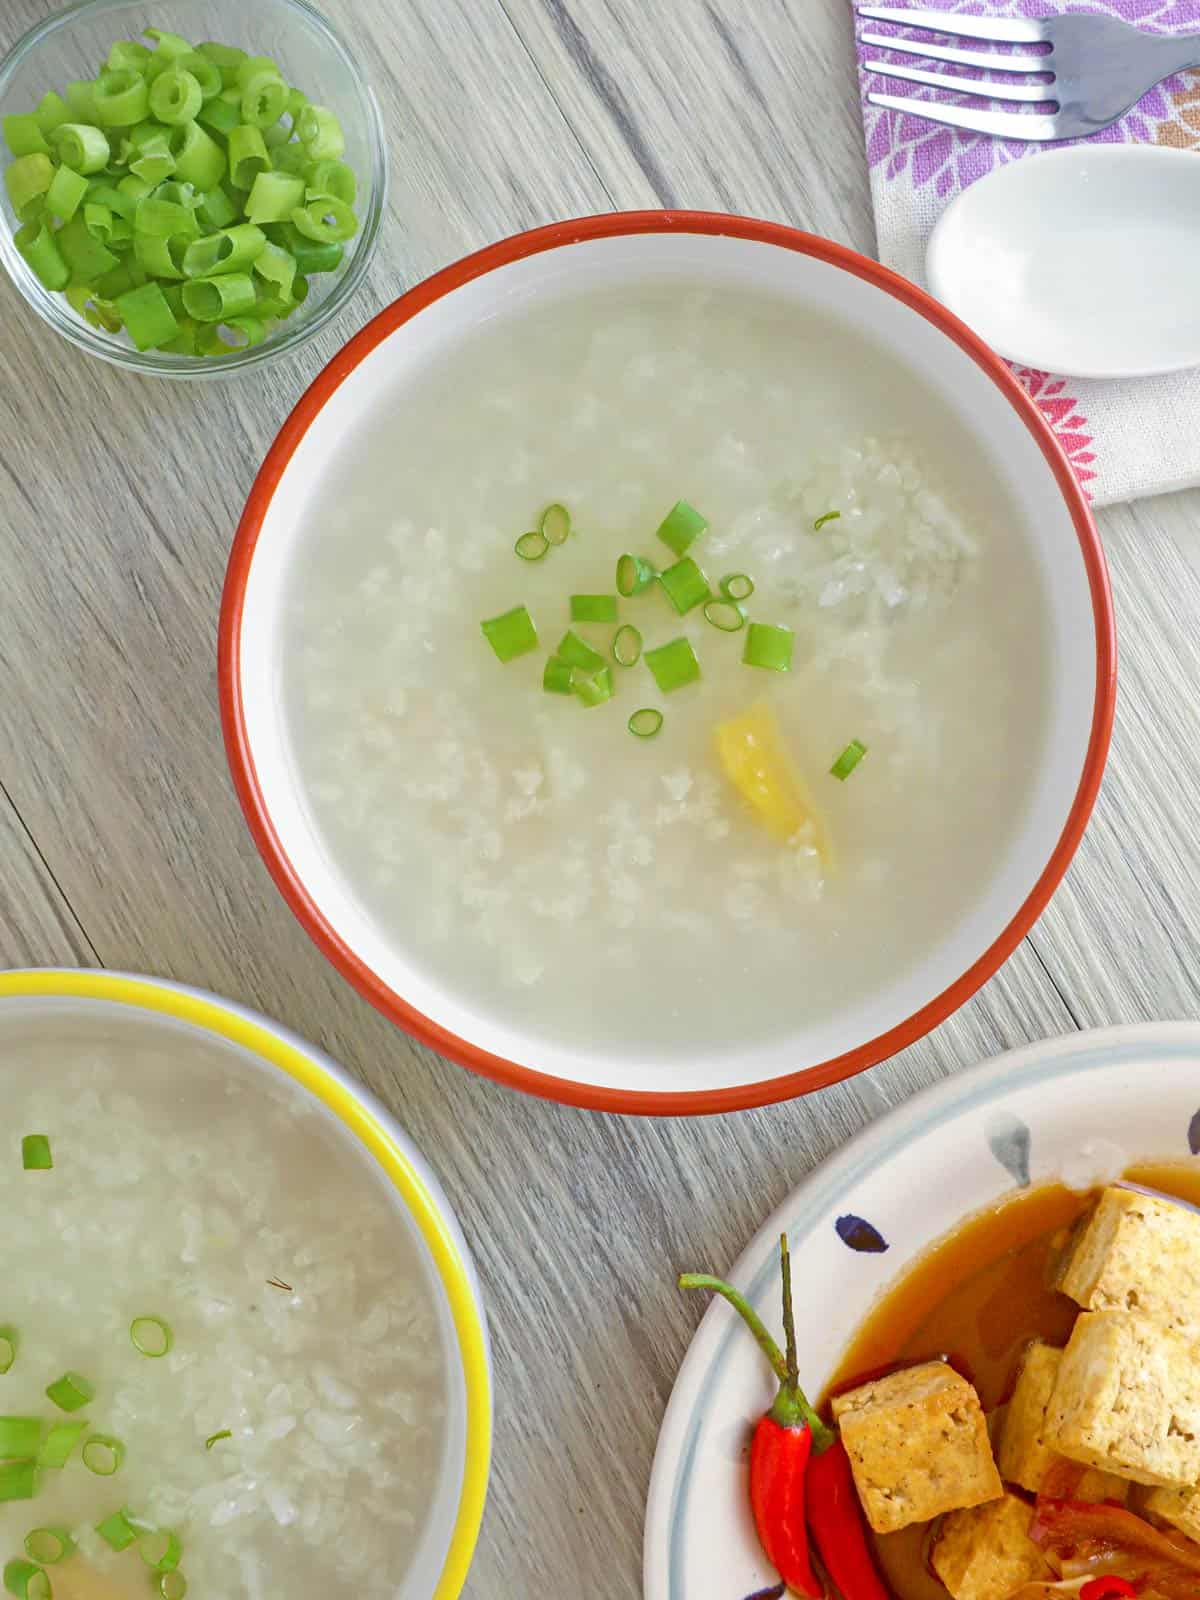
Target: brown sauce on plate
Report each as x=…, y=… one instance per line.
x=977, y=1298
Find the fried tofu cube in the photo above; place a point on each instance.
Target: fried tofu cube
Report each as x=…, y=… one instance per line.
x=918, y=1445
x=1137, y=1253
x=1023, y=1456
x=1179, y=1507
x=1127, y=1400
x=986, y=1553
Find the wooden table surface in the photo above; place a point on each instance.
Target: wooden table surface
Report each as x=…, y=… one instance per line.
x=121, y=843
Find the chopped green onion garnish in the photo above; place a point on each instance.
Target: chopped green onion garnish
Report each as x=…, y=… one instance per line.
x=59, y=1444
x=35, y=1153
x=128, y=55
x=70, y=1392
x=18, y=1480
x=48, y=1545
x=66, y=194
x=28, y=179
x=160, y=1550
x=52, y=112
x=172, y=1586
x=20, y=1436
x=250, y=67
x=321, y=134
x=673, y=665
x=147, y=316
x=848, y=760
x=681, y=526
x=117, y=1531
x=120, y=98
x=171, y=47
x=276, y=197
x=511, y=634
x=8, y=1349
x=175, y=97
x=226, y=57
x=326, y=220
x=555, y=523
x=205, y=71
x=220, y=298
x=24, y=135
x=79, y=99
x=532, y=546
x=576, y=652
x=736, y=586
x=103, y=1455
x=264, y=98
x=594, y=688
x=151, y=1336
x=768, y=646
x=686, y=585
x=36, y=243
x=215, y=1438
x=332, y=177
x=228, y=250
x=726, y=615
x=558, y=677
x=634, y=574
x=627, y=645
x=830, y=516
x=82, y=148
x=247, y=156
x=593, y=608
x=644, y=724
x=27, y=1581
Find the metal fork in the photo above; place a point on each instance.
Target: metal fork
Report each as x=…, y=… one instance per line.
x=1099, y=68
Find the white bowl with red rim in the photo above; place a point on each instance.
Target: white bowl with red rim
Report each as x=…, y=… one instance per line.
x=578, y=257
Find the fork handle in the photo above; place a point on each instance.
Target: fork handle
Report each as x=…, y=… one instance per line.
x=1178, y=52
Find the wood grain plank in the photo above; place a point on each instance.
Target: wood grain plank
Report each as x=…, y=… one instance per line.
x=113, y=538
x=1122, y=936
x=580, y=1224
x=37, y=926
x=725, y=105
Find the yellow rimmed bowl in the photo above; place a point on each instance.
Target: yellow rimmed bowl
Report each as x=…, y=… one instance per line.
x=149, y=1011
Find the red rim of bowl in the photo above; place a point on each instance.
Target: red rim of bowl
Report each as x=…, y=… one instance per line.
x=241, y=761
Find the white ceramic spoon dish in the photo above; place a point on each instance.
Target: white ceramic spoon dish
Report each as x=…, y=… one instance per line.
x=1079, y=260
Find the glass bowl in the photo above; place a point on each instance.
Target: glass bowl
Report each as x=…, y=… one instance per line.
x=312, y=56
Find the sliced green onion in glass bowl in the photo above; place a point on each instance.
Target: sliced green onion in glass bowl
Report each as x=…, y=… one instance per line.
x=167, y=108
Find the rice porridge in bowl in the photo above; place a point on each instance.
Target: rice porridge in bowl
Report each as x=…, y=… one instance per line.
x=666, y=667
x=232, y=1354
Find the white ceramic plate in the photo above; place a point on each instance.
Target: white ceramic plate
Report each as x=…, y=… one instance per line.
x=1078, y=1109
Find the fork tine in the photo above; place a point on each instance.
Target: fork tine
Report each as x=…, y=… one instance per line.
x=1030, y=93
x=1008, y=30
x=1002, y=124
x=961, y=58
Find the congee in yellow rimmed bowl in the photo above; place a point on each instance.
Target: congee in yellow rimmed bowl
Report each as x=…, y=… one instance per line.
x=242, y=1349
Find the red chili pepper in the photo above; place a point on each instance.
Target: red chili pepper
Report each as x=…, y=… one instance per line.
x=1107, y=1589
x=778, y=1464
x=783, y=1440
x=790, y=1445
x=835, y=1521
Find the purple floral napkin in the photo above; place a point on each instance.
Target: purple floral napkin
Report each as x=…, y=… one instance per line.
x=1125, y=439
